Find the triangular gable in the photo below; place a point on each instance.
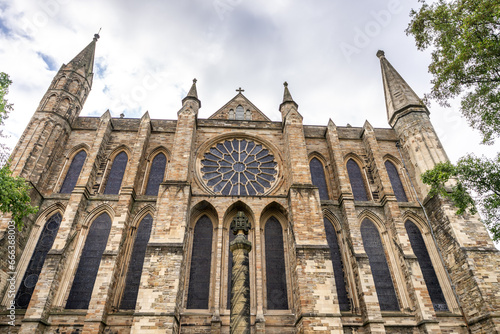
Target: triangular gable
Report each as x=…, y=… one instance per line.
x=249, y=107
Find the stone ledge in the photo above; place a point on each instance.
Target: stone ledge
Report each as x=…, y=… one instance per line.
x=43, y=321
x=480, y=249
x=110, y=253
x=167, y=245
x=305, y=247
x=55, y=252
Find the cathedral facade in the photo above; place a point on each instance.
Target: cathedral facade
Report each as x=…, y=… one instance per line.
x=133, y=231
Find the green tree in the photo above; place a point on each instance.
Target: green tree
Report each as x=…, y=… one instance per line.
x=481, y=176
x=464, y=36
x=465, y=42
x=14, y=191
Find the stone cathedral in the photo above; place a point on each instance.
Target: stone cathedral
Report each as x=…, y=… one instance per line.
x=133, y=231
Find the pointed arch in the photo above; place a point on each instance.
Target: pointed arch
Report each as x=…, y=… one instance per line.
x=59, y=84
x=116, y=173
x=200, y=268
x=73, y=172
x=32, y=261
x=64, y=105
x=203, y=207
x=157, y=170
x=318, y=175
x=394, y=177
x=90, y=259
x=382, y=278
x=136, y=262
x=357, y=179
x=50, y=103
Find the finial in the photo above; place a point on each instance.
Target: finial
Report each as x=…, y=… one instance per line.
x=96, y=36
x=240, y=223
x=194, y=80
x=285, y=84
x=380, y=53
x=239, y=90
x=122, y=115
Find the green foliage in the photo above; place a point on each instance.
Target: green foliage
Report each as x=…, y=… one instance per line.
x=464, y=36
x=5, y=106
x=14, y=191
x=14, y=196
x=479, y=175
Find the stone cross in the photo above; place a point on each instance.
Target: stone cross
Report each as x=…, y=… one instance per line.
x=240, y=280
x=239, y=90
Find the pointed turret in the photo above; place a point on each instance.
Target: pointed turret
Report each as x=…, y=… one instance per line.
x=192, y=94
x=400, y=99
x=287, y=97
x=83, y=63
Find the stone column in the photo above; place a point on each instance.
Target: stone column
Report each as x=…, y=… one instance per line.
x=240, y=281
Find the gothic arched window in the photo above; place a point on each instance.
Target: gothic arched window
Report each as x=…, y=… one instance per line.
x=338, y=266
x=397, y=186
x=379, y=267
x=240, y=113
x=90, y=259
x=201, y=258
x=356, y=179
x=35, y=265
x=116, y=173
x=424, y=260
x=318, y=178
x=73, y=172
x=156, y=174
x=136, y=263
x=277, y=296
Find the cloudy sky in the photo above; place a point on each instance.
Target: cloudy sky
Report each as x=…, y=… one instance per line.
x=150, y=50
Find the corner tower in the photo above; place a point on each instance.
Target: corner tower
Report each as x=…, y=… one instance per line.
x=409, y=117
x=51, y=124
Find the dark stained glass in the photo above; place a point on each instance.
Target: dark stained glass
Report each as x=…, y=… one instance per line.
x=201, y=258
x=95, y=244
x=318, y=178
x=134, y=272
x=73, y=172
x=277, y=296
x=156, y=174
x=35, y=265
x=378, y=264
x=356, y=179
x=239, y=167
x=338, y=266
x=116, y=174
x=424, y=260
x=397, y=186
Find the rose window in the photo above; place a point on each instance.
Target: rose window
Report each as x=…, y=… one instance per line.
x=239, y=167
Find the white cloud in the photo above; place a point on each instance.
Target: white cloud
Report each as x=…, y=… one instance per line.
x=150, y=51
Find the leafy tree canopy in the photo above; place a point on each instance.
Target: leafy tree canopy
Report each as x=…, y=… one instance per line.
x=14, y=191
x=465, y=38
x=481, y=176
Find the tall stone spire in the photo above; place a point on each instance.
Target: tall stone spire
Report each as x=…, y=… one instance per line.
x=287, y=97
x=192, y=94
x=83, y=63
x=400, y=99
